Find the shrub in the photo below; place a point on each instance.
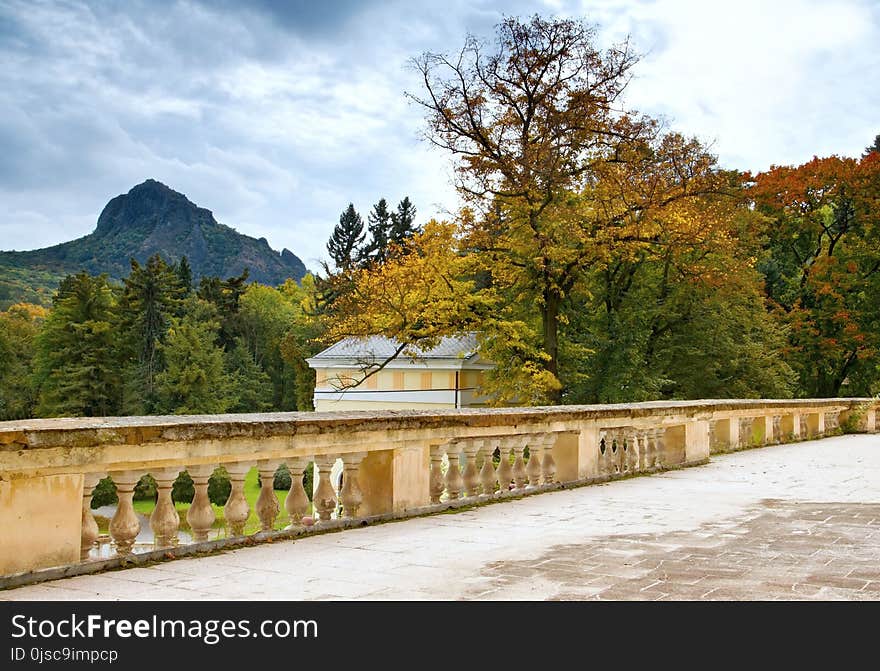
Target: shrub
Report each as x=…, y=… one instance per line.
x=105, y=493
x=146, y=489
x=219, y=486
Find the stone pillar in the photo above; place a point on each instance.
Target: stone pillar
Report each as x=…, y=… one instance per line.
x=90, y=532
x=165, y=521
x=200, y=515
x=237, y=510
x=351, y=496
x=696, y=444
x=297, y=502
x=766, y=425
x=125, y=526
x=267, y=506
x=588, y=456
x=40, y=521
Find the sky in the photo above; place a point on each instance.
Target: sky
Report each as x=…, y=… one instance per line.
x=276, y=115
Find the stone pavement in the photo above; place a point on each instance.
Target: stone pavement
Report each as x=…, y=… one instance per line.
x=799, y=521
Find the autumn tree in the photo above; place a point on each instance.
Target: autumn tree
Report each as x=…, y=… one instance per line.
x=823, y=268
x=20, y=325
x=557, y=172
x=302, y=338
x=415, y=298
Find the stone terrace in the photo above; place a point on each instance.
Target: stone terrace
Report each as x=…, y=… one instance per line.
x=796, y=521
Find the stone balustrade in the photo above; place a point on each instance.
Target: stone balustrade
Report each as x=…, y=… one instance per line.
x=393, y=464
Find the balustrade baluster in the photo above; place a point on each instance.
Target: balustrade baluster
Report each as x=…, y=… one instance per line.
x=470, y=476
x=646, y=453
x=454, y=482
x=533, y=468
x=200, y=515
x=504, y=473
x=604, y=453
x=658, y=439
x=297, y=502
x=548, y=465
x=487, y=472
x=125, y=525
x=237, y=510
x=90, y=531
x=165, y=521
x=351, y=495
x=616, y=451
x=437, y=483
x=267, y=506
x=634, y=449
x=325, y=496
x=520, y=477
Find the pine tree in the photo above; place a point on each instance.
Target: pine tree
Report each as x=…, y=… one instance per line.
x=194, y=380
x=402, y=227
x=251, y=386
x=344, y=245
x=184, y=275
x=152, y=295
x=75, y=366
x=225, y=295
x=379, y=223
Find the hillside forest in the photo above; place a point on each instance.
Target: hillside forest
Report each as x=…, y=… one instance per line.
x=600, y=257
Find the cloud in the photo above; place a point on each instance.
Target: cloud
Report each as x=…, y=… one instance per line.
x=276, y=115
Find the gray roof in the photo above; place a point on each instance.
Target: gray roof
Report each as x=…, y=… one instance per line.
x=379, y=348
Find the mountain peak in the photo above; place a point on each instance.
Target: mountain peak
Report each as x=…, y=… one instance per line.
x=152, y=218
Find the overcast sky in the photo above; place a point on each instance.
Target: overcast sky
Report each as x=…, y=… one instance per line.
x=274, y=115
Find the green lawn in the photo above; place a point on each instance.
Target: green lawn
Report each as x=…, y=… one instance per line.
x=251, y=493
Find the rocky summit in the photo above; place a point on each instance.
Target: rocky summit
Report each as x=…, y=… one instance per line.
x=150, y=219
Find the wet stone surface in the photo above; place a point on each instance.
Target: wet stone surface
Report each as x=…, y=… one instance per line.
x=785, y=550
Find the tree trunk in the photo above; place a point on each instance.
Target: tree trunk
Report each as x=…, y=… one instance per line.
x=550, y=323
